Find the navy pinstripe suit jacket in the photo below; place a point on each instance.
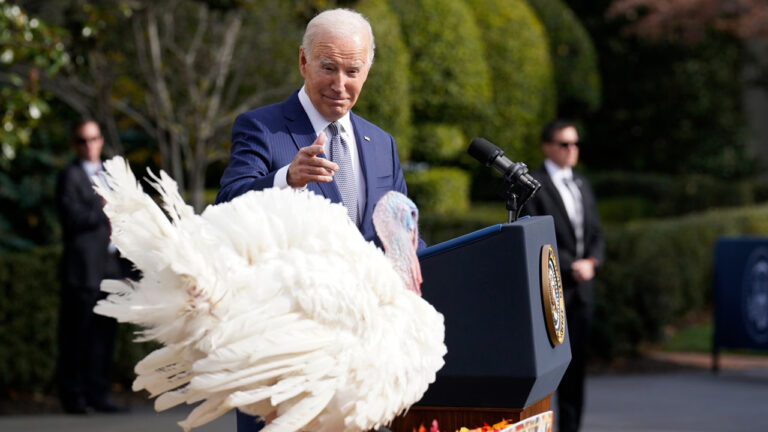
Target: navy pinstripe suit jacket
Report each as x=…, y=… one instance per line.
x=266, y=139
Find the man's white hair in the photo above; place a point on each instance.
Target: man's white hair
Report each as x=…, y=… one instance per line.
x=338, y=22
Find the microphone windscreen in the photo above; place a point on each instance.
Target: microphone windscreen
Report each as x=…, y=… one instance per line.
x=483, y=150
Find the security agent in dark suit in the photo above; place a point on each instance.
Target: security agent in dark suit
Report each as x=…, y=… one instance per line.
x=86, y=340
x=568, y=198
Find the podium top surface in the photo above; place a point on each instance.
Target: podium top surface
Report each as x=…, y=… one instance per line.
x=474, y=236
x=459, y=241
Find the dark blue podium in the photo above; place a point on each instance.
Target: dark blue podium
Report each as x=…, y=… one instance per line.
x=741, y=294
x=501, y=362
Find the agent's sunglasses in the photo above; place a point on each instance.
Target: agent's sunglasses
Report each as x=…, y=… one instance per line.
x=82, y=141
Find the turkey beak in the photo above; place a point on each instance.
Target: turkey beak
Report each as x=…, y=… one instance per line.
x=414, y=267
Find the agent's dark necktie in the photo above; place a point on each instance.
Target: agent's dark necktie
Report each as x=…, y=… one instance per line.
x=344, y=177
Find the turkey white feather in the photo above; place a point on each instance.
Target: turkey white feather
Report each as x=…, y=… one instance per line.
x=273, y=303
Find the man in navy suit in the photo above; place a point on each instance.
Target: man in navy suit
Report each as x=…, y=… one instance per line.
x=291, y=143
x=567, y=197
x=313, y=140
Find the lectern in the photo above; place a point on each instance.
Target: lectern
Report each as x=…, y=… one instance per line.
x=505, y=330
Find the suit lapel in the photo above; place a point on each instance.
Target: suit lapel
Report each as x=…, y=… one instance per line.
x=303, y=135
x=367, y=163
x=555, y=194
x=83, y=182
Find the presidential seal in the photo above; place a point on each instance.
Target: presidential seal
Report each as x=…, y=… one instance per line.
x=755, y=296
x=552, y=296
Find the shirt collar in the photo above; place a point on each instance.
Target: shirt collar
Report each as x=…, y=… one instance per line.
x=557, y=173
x=319, y=123
x=91, y=168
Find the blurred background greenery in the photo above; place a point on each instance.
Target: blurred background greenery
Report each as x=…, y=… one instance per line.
x=669, y=136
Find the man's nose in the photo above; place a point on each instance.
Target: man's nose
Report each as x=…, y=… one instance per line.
x=337, y=84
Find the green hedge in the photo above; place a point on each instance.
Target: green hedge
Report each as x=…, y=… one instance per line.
x=658, y=271
x=435, y=228
x=29, y=313
x=28, y=319
x=450, y=80
x=438, y=143
x=667, y=195
x=386, y=98
x=439, y=190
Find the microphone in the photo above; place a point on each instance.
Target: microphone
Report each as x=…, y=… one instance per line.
x=490, y=155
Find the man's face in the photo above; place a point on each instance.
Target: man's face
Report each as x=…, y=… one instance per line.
x=563, y=150
x=335, y=74
x=88, y=142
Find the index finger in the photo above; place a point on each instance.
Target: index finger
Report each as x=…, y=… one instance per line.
x=317, y=146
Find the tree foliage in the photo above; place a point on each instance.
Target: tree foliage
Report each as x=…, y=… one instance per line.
x=667, y=108
x=575, y=61
x=690, y=20
x=24, y=40
x=450, y=80
x=522, y=77
x=386, y=98
x=180, y=71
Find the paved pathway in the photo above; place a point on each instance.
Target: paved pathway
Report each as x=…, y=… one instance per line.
x=678, y=401
x=139, y=419
x=683, y=400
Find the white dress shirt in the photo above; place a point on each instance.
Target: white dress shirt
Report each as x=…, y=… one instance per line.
x=92, y=170
x=320, y=124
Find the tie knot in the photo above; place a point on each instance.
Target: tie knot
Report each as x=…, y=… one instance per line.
x=333, y=128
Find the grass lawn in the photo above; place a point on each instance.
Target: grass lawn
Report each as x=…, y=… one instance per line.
x=697, y=337
x=693, y=338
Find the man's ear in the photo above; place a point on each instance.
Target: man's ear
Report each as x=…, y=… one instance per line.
x=302, y=60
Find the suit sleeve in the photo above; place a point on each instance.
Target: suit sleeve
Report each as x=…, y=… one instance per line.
x=77, y=213
x=248, y=168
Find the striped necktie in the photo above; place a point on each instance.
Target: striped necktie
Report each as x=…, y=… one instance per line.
x=344, y=177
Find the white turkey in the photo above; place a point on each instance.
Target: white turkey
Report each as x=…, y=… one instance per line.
x=273, y=303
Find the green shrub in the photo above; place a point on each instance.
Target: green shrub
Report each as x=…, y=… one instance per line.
x=668, y=195
x=626, y=208
x=28, y=319
x=29, y=314
x=657, y=271
x=436, y=228
x=439, y=190
x=523, y=89
x=385, y=99
x=576, y=70
x=449, y=75
x=438, y=143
